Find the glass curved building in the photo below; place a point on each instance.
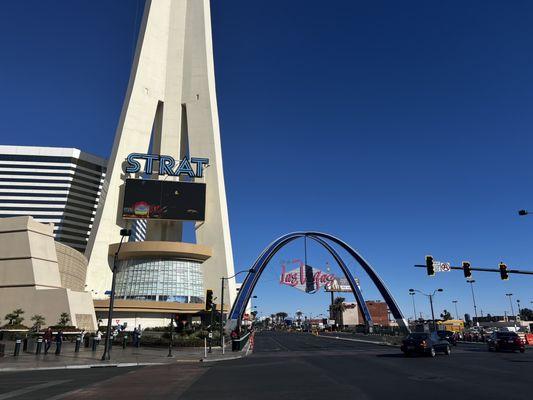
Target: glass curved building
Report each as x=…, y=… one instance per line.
x=160, y=279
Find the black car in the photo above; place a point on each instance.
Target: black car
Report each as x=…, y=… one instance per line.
x=449, y=336
x=425, y=343
x=505, y=341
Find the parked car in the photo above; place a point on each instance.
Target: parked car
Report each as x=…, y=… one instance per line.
x=449, y=336
x=505, y=341
x=425, y=343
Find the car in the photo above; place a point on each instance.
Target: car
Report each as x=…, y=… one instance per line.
x=505, y=341
x=449, y=336
x=425, y=343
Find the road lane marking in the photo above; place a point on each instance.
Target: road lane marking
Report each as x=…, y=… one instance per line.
x=29, y=389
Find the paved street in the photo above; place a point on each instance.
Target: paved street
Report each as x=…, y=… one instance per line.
x=295, y=366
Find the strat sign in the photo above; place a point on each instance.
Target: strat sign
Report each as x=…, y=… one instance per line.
x=167, y=165
x=304, y=277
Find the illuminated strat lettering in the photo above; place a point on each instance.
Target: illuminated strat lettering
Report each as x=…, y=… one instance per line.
x=193, y=167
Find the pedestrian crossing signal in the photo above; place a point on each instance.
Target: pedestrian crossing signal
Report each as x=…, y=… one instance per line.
x=208, y=299
x=503, y=272
x=429, y=265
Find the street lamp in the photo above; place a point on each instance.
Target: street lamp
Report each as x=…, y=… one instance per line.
x=472, y=281
x=222, y=279
x=511, y=303
x=455, y=304
x=430, y=296
x=107, y=351
x=414, y=307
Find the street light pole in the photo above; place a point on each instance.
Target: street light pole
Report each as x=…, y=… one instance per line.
x=456, y=312
x=432, y=313
x=222, y=279
x=471, y=281
x=412, y=294
x=509, y=295
x=107, y=351
x=430, y=296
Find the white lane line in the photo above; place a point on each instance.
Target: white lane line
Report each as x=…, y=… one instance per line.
x=29, y=389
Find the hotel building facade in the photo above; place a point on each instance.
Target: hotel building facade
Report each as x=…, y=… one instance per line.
x=53, y=185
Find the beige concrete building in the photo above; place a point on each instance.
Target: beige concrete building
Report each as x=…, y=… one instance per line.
x=42, y=276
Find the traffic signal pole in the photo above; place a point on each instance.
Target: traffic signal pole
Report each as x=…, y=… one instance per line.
x=509, y=271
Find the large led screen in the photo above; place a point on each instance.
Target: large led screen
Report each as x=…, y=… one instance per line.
x=157, y=199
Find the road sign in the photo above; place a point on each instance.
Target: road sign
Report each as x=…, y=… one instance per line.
x=442, y=266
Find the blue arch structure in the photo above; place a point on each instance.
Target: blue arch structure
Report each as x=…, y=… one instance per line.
x=249, y=283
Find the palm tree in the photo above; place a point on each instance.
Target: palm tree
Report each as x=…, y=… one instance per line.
x=38, y=322
x=338, y=308
x=15, y=317
x=299, y=315
x=64, y=319
x=281, y=316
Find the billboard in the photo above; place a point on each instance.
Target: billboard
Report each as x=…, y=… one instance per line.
x=165, y=200
x=340, y=285
x=304, y=277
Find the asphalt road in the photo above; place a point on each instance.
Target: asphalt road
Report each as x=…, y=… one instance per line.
x=297, y=366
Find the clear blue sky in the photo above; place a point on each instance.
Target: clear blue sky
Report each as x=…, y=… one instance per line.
x=403, y=128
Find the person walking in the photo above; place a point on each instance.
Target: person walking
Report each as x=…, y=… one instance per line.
x=59, y=342
x=135, y=337
x=98, y=337
x=47, y=337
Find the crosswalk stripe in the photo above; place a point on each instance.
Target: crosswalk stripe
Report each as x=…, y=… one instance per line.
x=29, y=389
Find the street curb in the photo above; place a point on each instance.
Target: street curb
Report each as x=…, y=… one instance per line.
x=208, y=360
x=244, y=353
x=86, y=366
x=360, y=341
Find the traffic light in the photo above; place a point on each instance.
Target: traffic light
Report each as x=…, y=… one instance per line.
x=429, y=266
x=467, y=269
x=503, y=272
x=208, y=299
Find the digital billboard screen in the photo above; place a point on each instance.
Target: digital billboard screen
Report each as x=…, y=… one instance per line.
x=166, y=200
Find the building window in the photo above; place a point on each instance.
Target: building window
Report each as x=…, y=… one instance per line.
x=160, y=279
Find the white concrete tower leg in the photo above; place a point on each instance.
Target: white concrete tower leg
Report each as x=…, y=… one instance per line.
x=172, y=79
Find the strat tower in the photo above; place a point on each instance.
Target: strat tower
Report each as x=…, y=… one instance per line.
x=167, y=144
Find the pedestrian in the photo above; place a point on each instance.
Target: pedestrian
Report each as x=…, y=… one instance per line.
x=47, y=337
x=98, y=337
x=135, y=335
x=59, y=342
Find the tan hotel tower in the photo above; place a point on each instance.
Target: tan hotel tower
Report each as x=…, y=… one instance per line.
x=170, y=108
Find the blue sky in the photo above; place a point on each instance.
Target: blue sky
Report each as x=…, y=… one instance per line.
x=403, y=128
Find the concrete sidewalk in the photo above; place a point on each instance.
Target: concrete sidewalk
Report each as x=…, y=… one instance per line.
x=128, y=357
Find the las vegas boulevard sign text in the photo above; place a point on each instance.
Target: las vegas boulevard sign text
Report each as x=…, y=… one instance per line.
x=167, y=165
x=297, y=277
